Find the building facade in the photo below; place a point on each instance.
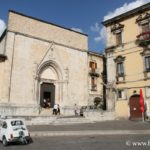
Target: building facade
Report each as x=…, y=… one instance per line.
x=96, y=71
x=41, y=60
x=128, y=62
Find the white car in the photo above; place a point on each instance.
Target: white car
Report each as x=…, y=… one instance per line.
x=13, y=130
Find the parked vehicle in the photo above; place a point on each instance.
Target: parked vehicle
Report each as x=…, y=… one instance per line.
x=13, y=130
x=82, y=110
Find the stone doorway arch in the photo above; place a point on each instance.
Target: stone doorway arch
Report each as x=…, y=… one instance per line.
x=49, y=83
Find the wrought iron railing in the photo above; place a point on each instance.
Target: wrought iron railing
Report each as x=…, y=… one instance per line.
x=144, y=36
x=143, y=39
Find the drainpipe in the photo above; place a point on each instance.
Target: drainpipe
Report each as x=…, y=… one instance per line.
x=12, y=63
x=104, y=79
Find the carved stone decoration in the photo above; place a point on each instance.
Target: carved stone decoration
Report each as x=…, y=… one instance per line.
x=110, y=49
x=119, y=59
x=116, y=28
x=143, y=18
x=67, y=73
x=139, y=18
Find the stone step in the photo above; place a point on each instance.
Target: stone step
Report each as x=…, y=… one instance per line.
x=46, y=112
x=41, y=120
x=90, y=117
x=71, y=120
x=56, y=120
x=100, y=115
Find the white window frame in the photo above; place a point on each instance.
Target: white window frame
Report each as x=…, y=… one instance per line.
x=145, y=65
x=147, y=88
x=120, y=68
x=125, y=94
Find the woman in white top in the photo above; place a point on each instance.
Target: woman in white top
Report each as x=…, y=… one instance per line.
x=55, y=109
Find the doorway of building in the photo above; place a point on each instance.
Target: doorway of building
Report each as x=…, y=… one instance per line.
x=135, y=110
x=47, y=93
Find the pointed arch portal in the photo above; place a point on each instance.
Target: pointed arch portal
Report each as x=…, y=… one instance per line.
x=49, y=85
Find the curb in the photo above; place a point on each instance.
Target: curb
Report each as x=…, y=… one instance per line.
x=88, y=132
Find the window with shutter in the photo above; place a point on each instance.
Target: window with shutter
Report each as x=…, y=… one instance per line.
x=145, y=27
x=119, y=38
x=122, y=94
x=147, y=63
x=147, y=92
x=93, y=66
x=120, y=69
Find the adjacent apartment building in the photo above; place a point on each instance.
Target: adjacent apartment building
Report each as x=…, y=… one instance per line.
x=128, y=61
x=41, y=60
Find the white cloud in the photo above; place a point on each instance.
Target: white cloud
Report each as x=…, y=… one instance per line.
x=77, y=29
x=2, y=26
x=102, y=34
x=96, y=27
x=126, y=7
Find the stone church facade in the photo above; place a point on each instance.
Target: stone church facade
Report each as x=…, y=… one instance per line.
x=43, y=60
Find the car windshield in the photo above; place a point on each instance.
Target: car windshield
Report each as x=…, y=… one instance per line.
x=16, y=123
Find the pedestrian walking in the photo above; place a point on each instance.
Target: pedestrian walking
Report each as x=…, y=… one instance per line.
x=55, y=108
x=75, y=110
x=58, y=109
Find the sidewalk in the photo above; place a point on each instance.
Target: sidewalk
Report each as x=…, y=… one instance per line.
x=100, y=128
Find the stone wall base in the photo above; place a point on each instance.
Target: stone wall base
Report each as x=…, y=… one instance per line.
x=97, y=115
x=32, y=110
x=67, y=111
x=17, y=110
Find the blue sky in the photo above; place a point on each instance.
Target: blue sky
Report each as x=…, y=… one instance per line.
x=85, y=15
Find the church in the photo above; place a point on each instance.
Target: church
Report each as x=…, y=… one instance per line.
x=41, y=60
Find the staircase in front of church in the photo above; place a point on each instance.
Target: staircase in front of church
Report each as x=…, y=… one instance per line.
x=57, y=120
x=46, y=112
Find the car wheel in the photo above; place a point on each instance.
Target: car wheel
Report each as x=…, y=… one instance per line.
x=4, y=141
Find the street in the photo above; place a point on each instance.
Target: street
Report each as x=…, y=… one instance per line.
x=106, y=142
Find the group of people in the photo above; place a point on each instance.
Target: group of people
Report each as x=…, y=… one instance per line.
x=46, y=103
x=56, y=107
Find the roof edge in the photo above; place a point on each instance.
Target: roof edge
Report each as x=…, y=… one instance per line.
x=3, y=34
x=95, y=53
x=139, y=9
x=18, y=13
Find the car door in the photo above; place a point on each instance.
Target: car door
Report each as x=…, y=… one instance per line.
x=1, y=122
x=4, y=130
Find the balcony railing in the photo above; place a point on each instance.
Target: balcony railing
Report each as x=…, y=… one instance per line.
x=93, y=72
x=143, y=39
x=120, y=78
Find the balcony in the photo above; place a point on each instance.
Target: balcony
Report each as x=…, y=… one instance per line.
x=120, y=78
x=143, y=39
x=93, y=72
